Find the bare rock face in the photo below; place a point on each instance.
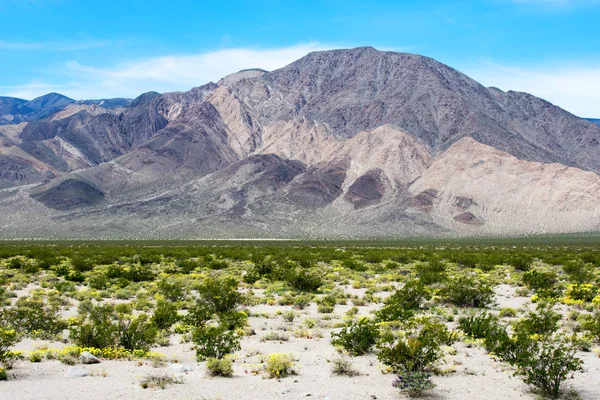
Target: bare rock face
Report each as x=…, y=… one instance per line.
x=367, y=189
x=69, y=194
x=320, y=185
x=354, y=142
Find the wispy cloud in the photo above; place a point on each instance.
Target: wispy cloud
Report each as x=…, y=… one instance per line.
x=574, y=88
x=162, y=74
x=54, y=46
x=555, y=5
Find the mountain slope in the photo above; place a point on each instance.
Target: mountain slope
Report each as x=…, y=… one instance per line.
x=351, y=142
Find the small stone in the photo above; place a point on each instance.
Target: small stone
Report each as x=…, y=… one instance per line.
x=307, y=395
x=181, y=368
x=374, y=397
x=76, y=372
x=88, y=358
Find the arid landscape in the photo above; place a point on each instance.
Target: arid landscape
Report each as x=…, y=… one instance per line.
x=297, y=320
x=328, y=200
x=377, y=143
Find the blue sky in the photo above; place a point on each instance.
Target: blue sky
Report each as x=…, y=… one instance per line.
x=94, y=49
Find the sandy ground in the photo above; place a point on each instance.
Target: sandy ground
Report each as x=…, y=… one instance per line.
x=477, y=375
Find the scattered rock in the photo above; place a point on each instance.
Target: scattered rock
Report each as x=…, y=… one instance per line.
x=88, y=358
x=76, y=372
x=307, y=395
x=181, y=368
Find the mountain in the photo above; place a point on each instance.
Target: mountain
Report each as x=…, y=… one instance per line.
x=14, y=110
x=342, y=143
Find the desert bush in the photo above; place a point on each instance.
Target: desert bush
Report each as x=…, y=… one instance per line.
x=415, y=349
x=171, y=288
x=541, y=282
x=302, y=301
x=478, y=326
x=103, y=327
x=432, y=272
x=220, y=294
x=541, y=321
x=219, y=367
x=214, y=342
x=136, y=332
x=581, y=291
x=305, y=279
x=342, y=366
x=252, y=275
x=591, y=324
x=31, y=315
x=521, y=262
x=165, y=315
x=8, y=338
x=549, y=366
x=159, y=379
x=279, y=365
x=507, y=312
x=413, y=383
x=357, y=337
x=402, y=305
x=288, y=315
x=466, y=291
x=275, y=336
x=578, y=271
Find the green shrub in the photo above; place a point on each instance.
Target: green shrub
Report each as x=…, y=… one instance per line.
x=103, y=327
x=8, y=338
x=165, y=315
x=478, y=326
x=172, y=289
x=579, y=271
x=467, y=291
x=591, y=324
x=402, y=305
x=541, y=282
x=214, y=342
x=136, y=332
x=508, y=312
x=541, y=321
x=415, y=349
x=582, y=291
x=413, y=383
x=220, y=294
x=306, y=280
x=549, y=366
x=30, y=315
x=521, y=262
x=432, y=272
x=357, y=337
x=219, y=367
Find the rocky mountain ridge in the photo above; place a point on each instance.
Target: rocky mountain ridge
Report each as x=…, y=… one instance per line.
x=349, y=143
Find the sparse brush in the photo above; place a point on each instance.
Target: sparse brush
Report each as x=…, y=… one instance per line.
x=219, y=367
x=342, y=366
x=159, y=379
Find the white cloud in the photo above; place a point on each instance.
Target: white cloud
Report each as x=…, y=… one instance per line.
x=576, y=89
x=162, y=74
